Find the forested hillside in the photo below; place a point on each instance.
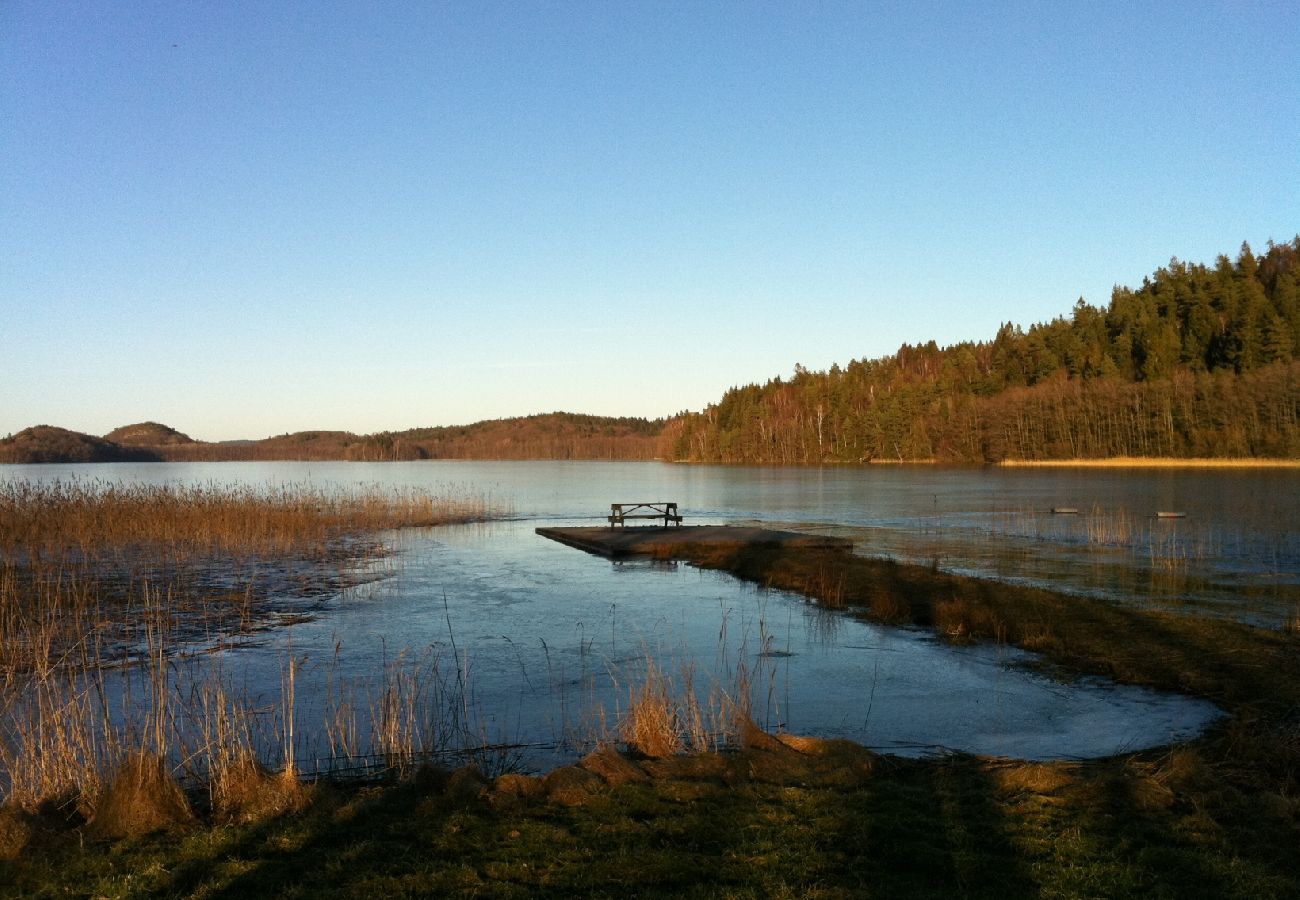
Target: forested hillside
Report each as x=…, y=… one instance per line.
x=549, y=436
x=49, y=444
x=1198, y=361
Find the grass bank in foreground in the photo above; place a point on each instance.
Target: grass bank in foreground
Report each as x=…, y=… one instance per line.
x=793, y=817
x=777, y=819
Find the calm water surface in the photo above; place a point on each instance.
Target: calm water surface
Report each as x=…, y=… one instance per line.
x=548, y=639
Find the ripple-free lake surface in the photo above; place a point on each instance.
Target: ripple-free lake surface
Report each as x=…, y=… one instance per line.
x=549, y=637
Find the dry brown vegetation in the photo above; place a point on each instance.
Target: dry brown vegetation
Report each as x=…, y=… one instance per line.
x=1153, y=462
x=780, y=815
x=667, y=715
x=101, y=584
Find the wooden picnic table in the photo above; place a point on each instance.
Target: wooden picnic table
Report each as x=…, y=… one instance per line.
x=619, y=513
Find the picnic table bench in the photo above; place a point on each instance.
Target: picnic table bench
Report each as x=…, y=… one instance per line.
x=619, y=513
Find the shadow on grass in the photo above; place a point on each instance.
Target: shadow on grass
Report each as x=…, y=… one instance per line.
x=758, y=824
x=1218, y=817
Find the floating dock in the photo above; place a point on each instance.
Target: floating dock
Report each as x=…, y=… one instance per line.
x=681, y=542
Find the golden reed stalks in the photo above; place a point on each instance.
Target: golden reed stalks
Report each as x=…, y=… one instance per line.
x=96, y=582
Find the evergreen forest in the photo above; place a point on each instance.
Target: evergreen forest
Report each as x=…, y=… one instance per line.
x=1200, y=361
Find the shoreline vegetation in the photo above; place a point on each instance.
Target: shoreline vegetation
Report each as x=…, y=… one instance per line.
x=93, y=807
x=112, y=596
x=1151, y=462
x=1200, y=362
x=45, y=444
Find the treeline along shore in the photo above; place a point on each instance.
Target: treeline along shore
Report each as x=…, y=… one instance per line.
x=1200, y=361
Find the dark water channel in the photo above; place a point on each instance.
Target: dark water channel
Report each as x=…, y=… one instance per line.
x=542, y=643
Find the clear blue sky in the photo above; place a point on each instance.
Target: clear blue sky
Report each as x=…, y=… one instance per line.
x=246, y=218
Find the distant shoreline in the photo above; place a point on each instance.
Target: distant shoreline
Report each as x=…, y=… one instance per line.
x=1154, y=462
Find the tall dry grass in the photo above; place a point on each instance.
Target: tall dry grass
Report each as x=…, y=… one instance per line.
x=101, y=583
x=667, y=714
x=174, y=522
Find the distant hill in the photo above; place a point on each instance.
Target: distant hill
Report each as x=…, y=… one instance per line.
x=557, y=435
x=48, y=444
x=549, y=436
x=147, y=434
x=1199, y=361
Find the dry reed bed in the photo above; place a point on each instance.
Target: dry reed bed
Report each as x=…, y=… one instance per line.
x=1153, y=462
x=79, y=559
x=100, y=584
x=92, y=519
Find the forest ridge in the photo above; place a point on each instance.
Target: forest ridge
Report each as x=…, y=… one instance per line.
x=1200, y=361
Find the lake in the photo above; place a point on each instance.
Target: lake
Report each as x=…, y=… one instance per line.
x=544, y=643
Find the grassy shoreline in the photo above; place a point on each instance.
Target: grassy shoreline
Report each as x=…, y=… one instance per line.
x=1152, y=462
x=107, y=589
x=785, y=816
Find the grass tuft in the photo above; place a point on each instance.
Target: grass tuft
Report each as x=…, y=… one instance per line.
x=141, y=798
x=652, y=725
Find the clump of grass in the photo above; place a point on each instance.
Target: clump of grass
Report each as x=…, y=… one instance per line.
x=826, y=585
x=244, y=790
x=141, y=798
x=1292, y=624
x=961, y=620
x=1036, y=636
x=653, y=724
x=15, y=832
x=1168, y=553
x=889, y=607
x=667, y=715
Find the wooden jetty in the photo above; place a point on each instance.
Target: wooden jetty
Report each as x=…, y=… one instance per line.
x=681, y=542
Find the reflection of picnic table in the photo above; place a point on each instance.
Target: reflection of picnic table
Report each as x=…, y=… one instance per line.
x=619, y=513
